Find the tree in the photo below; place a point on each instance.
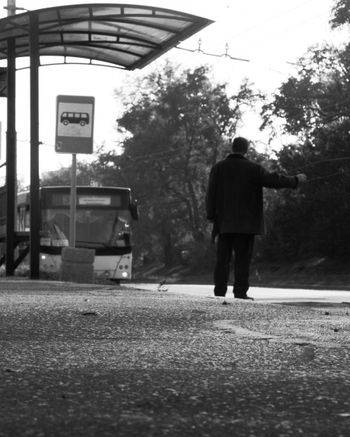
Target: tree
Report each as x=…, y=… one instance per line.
x=315, y=107
x=176, y=126
x=341, y=13
x=62, y=176
x=315, y=97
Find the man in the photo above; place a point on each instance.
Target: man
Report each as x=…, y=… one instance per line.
x=234, y=203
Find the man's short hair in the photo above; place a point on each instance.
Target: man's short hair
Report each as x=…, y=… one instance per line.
x=240, y=145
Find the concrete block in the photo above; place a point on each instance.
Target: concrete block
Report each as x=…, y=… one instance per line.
x=77, y=265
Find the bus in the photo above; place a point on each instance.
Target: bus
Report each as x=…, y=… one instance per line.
x=81, y=118
x=104, y=218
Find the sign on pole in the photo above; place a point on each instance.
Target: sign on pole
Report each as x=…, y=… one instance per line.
x=74, y=124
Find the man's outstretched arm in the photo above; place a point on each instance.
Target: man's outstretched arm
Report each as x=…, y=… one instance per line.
x=276, y=180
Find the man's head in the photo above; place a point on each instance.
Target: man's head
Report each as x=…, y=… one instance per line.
x=240, y=145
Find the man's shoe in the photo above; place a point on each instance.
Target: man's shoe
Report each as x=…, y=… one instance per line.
x=244, y=297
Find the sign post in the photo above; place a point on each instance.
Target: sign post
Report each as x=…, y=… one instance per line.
x=73, y=202
x=74, y=134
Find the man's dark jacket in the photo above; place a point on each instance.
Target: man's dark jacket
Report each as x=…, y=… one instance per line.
x=234, y=200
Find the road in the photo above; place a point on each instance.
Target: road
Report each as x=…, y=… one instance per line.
x=260, y=294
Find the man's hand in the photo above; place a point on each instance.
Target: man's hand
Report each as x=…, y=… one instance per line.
x=302, y=178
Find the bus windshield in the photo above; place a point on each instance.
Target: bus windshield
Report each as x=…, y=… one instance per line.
x=95, y=227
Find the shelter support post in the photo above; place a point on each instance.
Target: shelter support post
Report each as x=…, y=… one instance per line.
x=34, y=149
x=11, y=157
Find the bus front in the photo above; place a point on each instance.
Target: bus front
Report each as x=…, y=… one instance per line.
x=103, y=223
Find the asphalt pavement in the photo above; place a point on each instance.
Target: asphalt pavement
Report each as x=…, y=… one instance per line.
x=99, y=360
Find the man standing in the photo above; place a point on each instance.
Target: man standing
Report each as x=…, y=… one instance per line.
x=234, y=203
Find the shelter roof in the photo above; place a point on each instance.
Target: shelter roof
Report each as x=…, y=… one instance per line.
x=127, y=36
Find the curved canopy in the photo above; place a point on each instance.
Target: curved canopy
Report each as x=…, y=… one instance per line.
x=127, y=36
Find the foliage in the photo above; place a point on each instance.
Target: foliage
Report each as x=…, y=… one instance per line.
x=177, y=125
x=63, y=176
x=315, y=108
x=341, y=13
x=313, y=98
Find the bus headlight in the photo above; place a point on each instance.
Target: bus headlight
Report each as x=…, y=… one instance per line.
x=125, y=274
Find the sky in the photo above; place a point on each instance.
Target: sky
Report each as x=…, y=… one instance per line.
x=270, y=34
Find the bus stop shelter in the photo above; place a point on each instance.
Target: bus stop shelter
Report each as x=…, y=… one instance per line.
x=124, y=36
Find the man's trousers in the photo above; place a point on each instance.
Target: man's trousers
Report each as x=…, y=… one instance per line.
x=242, y=246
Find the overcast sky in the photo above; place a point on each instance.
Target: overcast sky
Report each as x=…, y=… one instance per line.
x=271, y=34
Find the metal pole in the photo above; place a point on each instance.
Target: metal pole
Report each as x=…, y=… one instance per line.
x=34, y=149
x=11, y=156
x=73, y=202
x=11, y=7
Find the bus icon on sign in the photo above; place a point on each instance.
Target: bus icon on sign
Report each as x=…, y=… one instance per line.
x=81, y=118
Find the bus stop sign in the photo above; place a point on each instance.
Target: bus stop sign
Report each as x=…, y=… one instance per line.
x=74, y=124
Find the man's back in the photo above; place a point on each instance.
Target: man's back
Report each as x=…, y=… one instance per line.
x=235, y=194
